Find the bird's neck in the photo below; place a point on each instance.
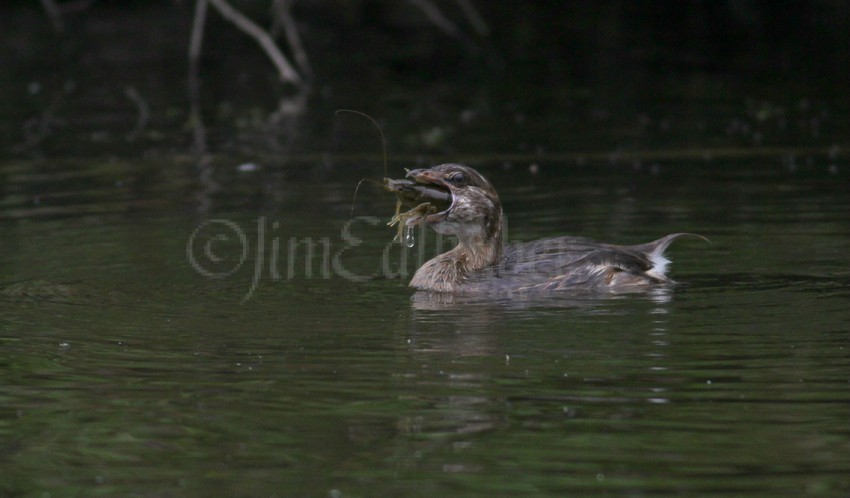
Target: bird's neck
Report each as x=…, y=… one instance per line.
x=447, y=272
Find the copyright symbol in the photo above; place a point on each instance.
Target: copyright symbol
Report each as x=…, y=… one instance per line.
x=210, y=248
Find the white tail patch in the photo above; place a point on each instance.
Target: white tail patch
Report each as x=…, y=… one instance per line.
x=659, y=265
x=655, y=254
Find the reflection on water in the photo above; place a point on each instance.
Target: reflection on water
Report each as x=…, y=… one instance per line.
x=225, y=325
x=125, y=370
x=431, y=301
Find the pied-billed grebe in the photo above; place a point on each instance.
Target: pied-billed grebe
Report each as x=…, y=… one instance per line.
x=456, y=200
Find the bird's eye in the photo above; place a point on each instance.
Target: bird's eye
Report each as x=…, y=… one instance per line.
x=457, y=178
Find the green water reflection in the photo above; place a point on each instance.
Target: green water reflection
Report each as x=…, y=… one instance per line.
x=127, y=371
x=234, y=324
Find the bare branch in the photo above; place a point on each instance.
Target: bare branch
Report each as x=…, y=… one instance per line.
x=437, y=18
x=55, y=11
x=55, y=15
x=198, y=23
x=433, y=13
x=196, y=120
x=77, y=6
x=143, y=116
x=281, y=9
x=475, y=19
x=249, y=27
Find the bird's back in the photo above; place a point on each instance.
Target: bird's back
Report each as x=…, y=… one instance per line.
x=575, y=264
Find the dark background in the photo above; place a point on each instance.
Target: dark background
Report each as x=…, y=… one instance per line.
x=543, y=71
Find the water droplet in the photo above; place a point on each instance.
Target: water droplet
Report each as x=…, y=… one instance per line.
x=409, y=239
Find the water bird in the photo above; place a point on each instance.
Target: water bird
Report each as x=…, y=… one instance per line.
x=457, y=200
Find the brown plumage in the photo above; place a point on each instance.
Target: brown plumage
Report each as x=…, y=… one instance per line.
x=481, y=262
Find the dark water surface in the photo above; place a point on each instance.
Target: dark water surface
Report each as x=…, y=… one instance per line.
x=127, y=370
x=178, y=325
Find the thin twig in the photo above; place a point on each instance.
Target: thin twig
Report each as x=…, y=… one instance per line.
x=262, y=37
x=143, y=116
x=75, y=7
x=196, y=120
x=433, y=13
x=475, y=19
x=55, y=15
x=55, y=11
x=198, y=23
x=281, y=9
